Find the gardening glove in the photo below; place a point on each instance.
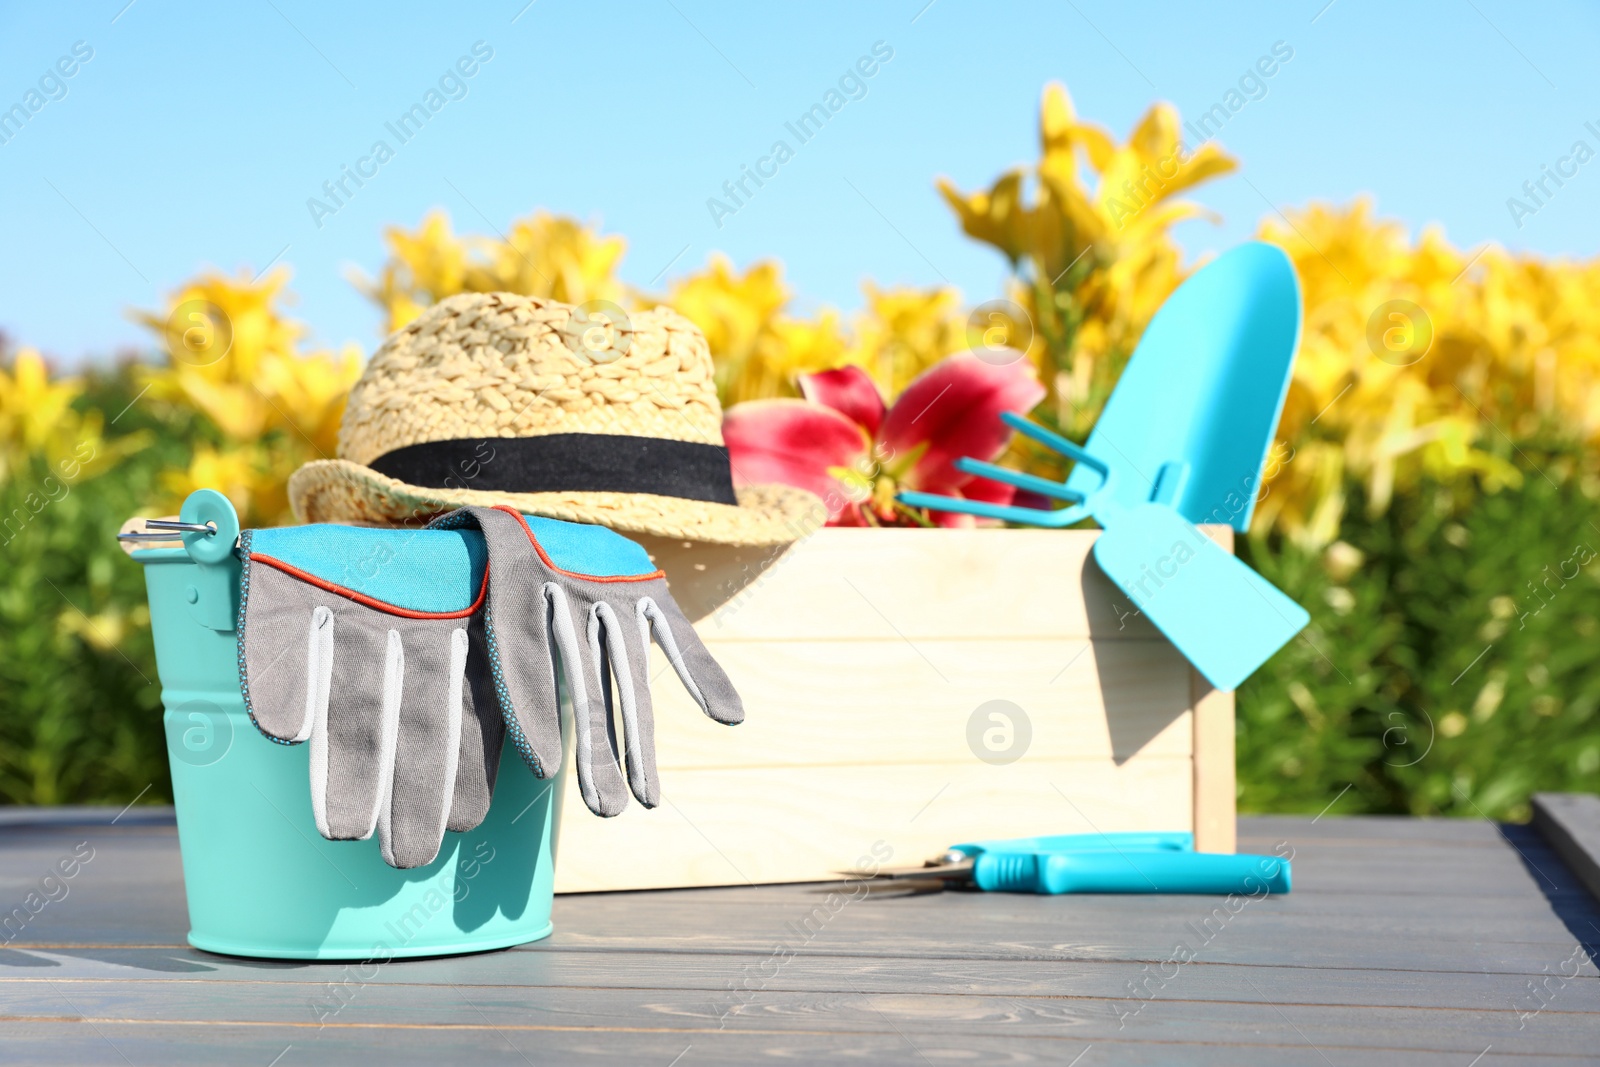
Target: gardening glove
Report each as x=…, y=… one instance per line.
x=592, y=598
x=359, y=641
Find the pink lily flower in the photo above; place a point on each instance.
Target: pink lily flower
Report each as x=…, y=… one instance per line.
x=845, y=445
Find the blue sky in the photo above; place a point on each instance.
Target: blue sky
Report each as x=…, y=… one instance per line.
x=196, y=133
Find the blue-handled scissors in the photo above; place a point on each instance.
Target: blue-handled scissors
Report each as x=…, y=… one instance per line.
x=1102, y=863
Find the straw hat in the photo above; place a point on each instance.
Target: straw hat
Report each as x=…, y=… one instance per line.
x=584, y=414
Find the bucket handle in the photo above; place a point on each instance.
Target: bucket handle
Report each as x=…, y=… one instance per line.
x=207, y=525
x=163, y=525
x=209, y=529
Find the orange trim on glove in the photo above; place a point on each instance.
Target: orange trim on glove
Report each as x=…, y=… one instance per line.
x=361, y=598
x=548, y=562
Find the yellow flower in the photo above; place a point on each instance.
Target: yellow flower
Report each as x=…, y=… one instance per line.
x=1420, y=359
x=548, y=256
x=544, y=255
x=1094, y=261
x=32, y=407
x=246, y=475
x=760, y=348
x=237, y=360
x=738, y=313
x=903, y=331
x=39, y=422
x=36, y=414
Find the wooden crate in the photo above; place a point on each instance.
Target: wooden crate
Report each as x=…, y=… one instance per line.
x=863, y=657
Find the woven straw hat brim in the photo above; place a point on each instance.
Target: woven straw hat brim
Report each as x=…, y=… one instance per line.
x=338, y=490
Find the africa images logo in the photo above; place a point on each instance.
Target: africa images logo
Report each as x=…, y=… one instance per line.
x=852, y=85
x=51, y=86
x=452, y=85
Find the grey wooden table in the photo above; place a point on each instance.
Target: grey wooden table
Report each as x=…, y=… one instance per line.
x=1404, y=941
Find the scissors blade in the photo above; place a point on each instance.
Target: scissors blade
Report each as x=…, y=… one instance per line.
x=944, y=872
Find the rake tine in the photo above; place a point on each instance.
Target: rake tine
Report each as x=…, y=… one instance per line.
x=1004, y=512
x=1042, y=486
x=1054, y=441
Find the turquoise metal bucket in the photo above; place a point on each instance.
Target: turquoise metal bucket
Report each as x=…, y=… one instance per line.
x=260, y=880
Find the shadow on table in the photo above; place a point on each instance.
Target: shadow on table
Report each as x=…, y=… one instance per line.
x=1578, y=911
x=170, y=961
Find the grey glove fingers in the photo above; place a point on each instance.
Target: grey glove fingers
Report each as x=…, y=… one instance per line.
x=599, y=778
x=289, y=631
x=353, y=737
x=483, y=733
x=319, y=670
x=701, y=675
x=519, y=643
x=627, y=662
x=411, y=820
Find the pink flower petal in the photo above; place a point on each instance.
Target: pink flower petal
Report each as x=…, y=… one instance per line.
x=793, y=442
x=954, y=408
x=850, y=515
x=991, y=491
x=846, y=389
x=954, y=520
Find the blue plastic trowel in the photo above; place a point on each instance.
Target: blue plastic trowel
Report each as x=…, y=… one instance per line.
x=1181, y=441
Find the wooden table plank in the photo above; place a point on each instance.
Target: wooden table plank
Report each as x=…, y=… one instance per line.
x=815, y=970
x=182, y=1046
x=1405, y=941
x=1261, y=1019
x=1570, y=823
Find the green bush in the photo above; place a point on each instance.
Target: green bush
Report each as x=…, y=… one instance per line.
x=80, y=707
x=1386, y=694
x=1454, y=674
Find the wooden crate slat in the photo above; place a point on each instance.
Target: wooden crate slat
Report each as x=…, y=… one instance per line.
x=829, y=702
x=733, y=826
x=862, y=583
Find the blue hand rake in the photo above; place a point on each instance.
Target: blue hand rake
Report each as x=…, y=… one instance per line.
x=1182, y=440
